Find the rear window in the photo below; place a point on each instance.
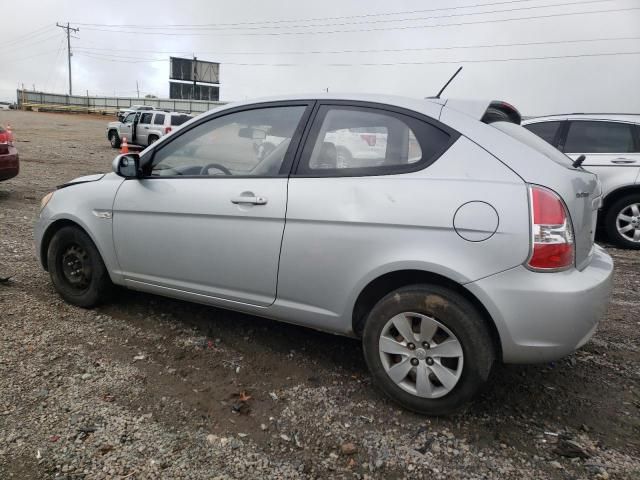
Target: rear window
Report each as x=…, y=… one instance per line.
x=545, y=130
x=599, y=137
x=530, y=139
x=179, y=119
x=159, y=120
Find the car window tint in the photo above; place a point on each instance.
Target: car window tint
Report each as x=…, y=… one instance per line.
x=365, y=141
x=179, y=119
x=129, y=118
x=247, y=143
x=159, y=119
x=545, y=130
x=599, y=137
x=146, y=118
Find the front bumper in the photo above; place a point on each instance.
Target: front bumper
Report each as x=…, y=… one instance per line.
x=542, y=317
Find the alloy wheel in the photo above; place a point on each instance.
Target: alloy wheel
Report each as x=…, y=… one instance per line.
x=628, y=222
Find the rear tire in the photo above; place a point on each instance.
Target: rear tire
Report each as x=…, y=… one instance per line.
x=152, y=139
x=447, y=357
x=622, y=222
x=114, y=139
x=76, y=268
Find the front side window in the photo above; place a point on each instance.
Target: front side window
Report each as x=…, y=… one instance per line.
x=599, y=137
x=232, y=145
x=361, y=141
x=545, y=130
x=146, y=118
x=129, y=118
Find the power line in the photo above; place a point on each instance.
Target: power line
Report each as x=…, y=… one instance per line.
x=372, y=64
x=404, y=27
x=374, y=50
x=362, y=22
x=344, y=17
x=34, y=33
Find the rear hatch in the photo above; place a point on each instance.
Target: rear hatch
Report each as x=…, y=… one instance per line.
x=496, y=127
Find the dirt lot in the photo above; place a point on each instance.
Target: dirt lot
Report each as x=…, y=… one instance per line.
x=148, y=387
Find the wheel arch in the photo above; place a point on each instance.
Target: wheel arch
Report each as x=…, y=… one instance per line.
x=615, y=195
x=52, y=230
x=390, y=281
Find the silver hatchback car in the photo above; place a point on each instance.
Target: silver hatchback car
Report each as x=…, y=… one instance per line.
x=466, y=241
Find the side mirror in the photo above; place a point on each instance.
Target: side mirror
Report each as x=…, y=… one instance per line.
x=127, y=165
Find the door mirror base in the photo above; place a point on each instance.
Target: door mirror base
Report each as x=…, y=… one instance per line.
x=127, y=165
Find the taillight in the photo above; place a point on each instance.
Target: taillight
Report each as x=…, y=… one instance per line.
x=167, y=130
x=553, y=244
x=4, y=142
x=370, y=138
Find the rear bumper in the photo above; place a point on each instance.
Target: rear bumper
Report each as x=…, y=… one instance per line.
x=545, y=316
x=9, y=164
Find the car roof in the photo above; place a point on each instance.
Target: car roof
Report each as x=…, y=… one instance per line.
x=430, y=107
x=613, y=117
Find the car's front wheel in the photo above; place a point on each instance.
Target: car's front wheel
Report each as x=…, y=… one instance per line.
x=76, y=268
x=114, y=139
x=428, y=348
x=622, y=222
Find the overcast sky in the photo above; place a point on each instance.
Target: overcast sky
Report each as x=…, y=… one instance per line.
x=269, y=47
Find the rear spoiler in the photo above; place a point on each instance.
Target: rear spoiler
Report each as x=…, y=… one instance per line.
x=499, y=111
x=483, y=110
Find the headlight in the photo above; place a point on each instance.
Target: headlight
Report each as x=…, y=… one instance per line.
x=45, y=200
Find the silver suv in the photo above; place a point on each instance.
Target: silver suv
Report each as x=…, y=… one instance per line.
x=144, y=128
x=611, y=146
x=460, y=243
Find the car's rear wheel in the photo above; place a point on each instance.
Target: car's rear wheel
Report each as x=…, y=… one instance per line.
x=152, y=139
x=114, y=139
x=622, y=222
x=76, y=268
x=428, y=348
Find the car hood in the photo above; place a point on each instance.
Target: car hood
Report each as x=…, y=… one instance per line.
x=85, y=179
x=113, y=124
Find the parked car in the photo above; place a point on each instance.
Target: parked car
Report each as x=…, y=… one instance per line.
x=123, y=112
x=9, y=159
x=144, y=128
x=472, y=246
x=611, y=146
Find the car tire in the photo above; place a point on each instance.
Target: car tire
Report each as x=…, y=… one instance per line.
x=438, y=384
x=622, y=222
x=152, y=139
x=76, y=268
x=114, y=139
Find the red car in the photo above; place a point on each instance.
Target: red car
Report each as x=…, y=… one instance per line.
x=9, y=161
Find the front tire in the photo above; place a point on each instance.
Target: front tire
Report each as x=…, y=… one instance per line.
x=114, y=139
x=427, y=348
x=76, y=268
x=622, y=222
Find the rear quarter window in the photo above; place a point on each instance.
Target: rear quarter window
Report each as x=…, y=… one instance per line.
x=179, y=119
x=532, y=140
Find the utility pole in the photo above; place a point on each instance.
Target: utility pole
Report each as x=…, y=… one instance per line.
x=68, y=30
x=195, y=76
x=137, y=88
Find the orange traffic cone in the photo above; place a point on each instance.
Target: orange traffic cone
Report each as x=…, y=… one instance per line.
x=125, y=146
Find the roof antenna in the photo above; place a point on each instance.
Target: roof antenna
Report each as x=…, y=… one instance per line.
x=448, y=82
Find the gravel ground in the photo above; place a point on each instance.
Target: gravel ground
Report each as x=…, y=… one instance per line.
x=149, y=387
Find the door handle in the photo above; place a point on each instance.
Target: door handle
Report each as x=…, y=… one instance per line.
x=250, y=200
x=622, y=161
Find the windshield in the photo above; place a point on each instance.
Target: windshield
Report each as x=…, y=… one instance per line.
x=532, y=140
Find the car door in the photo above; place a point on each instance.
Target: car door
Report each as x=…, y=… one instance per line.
x=207, y=218
x=142, y=128
x=125, y=129
x=611, y=150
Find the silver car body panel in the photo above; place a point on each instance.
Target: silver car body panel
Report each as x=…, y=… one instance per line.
x=319, y=242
